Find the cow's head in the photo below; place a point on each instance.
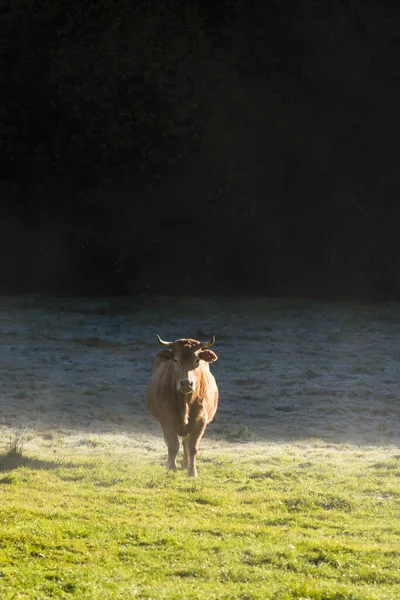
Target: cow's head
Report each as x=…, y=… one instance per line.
x=187, y=354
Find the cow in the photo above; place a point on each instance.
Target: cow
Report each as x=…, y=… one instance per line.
x=183, y=396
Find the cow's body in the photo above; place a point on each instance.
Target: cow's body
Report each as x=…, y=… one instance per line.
x=183, y=397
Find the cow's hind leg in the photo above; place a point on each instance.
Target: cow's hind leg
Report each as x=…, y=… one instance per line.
x=192, y=446
x=172, y=441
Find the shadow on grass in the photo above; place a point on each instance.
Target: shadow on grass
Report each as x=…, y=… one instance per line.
x=11, y=461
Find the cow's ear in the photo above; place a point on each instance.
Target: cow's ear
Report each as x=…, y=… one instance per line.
x=208, y=355
x=165, y=355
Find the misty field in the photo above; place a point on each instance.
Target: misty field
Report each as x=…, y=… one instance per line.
x=298, y=494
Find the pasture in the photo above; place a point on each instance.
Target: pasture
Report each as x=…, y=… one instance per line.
x=298, y=494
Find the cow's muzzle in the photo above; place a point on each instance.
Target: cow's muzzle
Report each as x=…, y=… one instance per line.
x=186, y=386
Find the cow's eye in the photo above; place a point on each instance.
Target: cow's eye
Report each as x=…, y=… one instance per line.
x=197, y=361
x=175, y=360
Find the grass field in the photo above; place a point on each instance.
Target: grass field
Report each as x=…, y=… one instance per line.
x=298, y=494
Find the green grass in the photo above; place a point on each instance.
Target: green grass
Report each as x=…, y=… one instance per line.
x=302, y=520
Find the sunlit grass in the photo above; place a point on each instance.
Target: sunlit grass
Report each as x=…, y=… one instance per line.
x=105, y=520
x=87, y=510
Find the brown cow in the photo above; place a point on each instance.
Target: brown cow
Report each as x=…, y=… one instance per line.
x=183, y=396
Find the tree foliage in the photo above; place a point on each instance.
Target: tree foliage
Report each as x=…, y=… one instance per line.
x=189, y=146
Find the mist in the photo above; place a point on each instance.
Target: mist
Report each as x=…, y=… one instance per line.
x=287, y=370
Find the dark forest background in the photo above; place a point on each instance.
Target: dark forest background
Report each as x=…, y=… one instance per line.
x=238, y=146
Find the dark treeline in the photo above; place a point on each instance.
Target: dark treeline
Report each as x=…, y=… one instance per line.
x=238, y=146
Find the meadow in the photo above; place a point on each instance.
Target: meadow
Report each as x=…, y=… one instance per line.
x=298, y=494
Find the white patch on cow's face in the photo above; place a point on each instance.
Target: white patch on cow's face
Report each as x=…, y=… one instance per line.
x=186, y=364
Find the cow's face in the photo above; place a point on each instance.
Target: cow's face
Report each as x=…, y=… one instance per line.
x=186, y=364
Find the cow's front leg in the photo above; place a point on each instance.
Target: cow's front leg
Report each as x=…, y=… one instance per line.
x=185, y=461
x=172, y=441
x=192, y=445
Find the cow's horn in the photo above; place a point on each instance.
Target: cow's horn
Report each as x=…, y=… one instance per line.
x=208, y=344
x=168, y=344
